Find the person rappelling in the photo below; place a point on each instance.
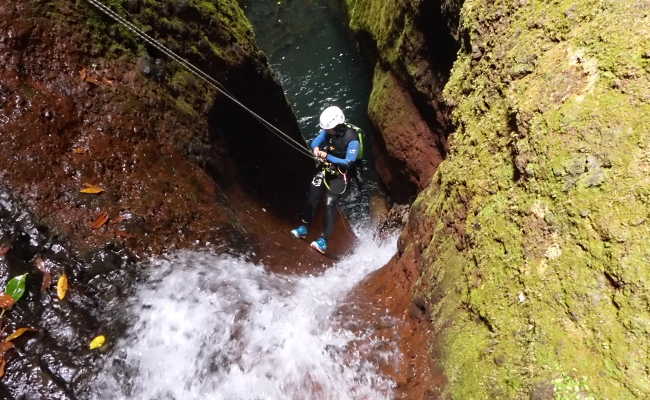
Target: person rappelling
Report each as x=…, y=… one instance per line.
x=337, y=147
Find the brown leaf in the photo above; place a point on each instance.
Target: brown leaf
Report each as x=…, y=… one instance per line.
x=47, y=281
x=6, y=301
x=18, y=333
x=40, y=264
x=47, y=276
x=62, y=286
x=124, y=234
x=85, y=76
x=100, y=221
x=4, y=347
x=4, y=249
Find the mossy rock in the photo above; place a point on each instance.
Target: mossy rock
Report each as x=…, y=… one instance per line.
x=539, y=262
x=214, y=38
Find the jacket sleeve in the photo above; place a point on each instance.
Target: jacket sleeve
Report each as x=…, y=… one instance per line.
x=318, y=140
x=350, y=155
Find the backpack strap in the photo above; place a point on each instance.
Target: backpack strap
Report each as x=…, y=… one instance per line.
x=361, y=137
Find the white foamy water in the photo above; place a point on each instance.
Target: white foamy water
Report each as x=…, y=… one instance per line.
x=217, y=327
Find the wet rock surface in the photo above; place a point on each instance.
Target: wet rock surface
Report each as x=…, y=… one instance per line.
x=50, y=362
x=528, y=258
x=82, y=104
x=413, y=45
x=412, y=149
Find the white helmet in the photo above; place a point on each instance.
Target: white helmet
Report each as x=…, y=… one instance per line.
x=331, y=117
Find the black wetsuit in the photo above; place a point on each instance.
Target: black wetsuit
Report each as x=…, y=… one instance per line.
x=342, y=153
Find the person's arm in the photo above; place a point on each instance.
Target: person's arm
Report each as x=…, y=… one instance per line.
x=319, y=139
x=316, y=142
x=350, y=155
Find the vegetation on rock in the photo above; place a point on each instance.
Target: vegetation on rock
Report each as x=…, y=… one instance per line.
x=537, y=267
x=533, y=232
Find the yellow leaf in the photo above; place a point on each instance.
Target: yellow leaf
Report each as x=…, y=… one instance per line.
x=97, y=342
x=18, y=333
x=91, y=189
x=62, y=286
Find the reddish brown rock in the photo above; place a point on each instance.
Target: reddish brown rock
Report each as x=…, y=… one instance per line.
x=413, y=46
x=406, y=135
x=389, y=290
x=176, y=171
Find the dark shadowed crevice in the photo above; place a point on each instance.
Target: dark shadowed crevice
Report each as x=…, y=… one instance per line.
x=265, y=166
x=439, y=29
x=402, y=190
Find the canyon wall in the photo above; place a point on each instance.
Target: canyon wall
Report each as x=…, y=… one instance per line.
x=85, y=105
x=411, y=65
x=531, y=236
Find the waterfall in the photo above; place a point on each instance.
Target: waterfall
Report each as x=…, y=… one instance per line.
x=207, y=326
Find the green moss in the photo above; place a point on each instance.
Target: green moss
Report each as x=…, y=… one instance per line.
x=548, y=172
x=227, y=43
x=184, y=107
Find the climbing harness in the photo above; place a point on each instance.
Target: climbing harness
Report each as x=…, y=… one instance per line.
x=296, y=145
x=329, y=169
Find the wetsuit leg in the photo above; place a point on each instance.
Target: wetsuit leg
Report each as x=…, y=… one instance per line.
x=313, y=198
x=336, y=191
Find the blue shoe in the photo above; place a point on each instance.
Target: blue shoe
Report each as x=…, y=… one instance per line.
x=300, y=232
x=319, y=245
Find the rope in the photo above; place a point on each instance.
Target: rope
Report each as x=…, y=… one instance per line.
x=296, y=145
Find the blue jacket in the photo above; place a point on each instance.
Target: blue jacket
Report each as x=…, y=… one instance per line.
x=350, y=153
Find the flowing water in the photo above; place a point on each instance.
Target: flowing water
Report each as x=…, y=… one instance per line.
x=318, y=64
x=206, y=326
x=313, y=57
x=216, y=327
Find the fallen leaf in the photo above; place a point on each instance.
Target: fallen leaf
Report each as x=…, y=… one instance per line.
x=85, y=76
x=40, y=264
x=97, y=342
x=16, y=286
x=4, y=347
x=4, y=250
x=100, y=221
x=6, y=301
x=47, y=281
x=78, y=150
x=123, y=234
x=47, y=276
x=62, y=286
x=91, y=189
x=18, y=333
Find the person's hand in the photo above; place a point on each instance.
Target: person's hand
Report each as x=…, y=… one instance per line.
x=319, y=154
